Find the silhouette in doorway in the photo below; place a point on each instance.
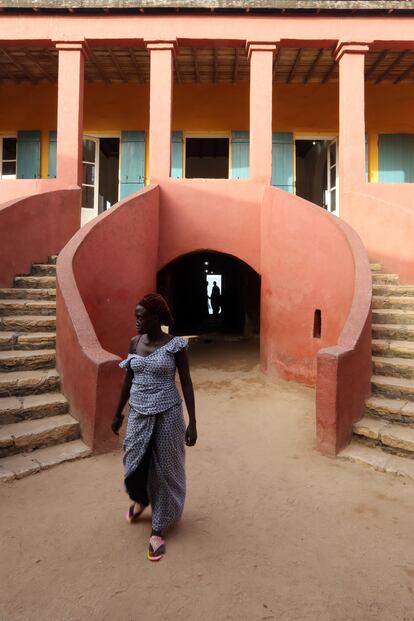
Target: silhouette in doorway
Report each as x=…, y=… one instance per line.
x=215, y=299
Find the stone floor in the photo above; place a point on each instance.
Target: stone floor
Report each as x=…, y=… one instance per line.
x=271, y=530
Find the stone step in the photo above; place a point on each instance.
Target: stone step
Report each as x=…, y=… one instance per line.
x=35, y=282
x=393, y=316
x=53, y=259
x=21, y=465
x=392, y=279
x=393, y=301
x=397, y=332
x=32, y=434
x=28, y=323
x=27, y=294
x=27, y=340
x=27, y=307
x=379, y=460
x=28, y=407
x=401, y=349
x=394, y=410
x=24, y=360
x=393, y=366
x=391, y=290
x=376, y=267
x=394, y=387
x=43, y=269
x=29, y=382
x=390, y=436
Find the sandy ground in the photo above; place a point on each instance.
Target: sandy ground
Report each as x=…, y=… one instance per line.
x=271, y=530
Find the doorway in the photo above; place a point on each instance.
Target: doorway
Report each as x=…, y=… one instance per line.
x=211, y=292
x=316, y=172
x=100, y=187
x=207, y=158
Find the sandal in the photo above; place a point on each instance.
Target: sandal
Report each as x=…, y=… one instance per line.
x=131, y=515
x=156, y=548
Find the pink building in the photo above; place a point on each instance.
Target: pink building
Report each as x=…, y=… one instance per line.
x=268, y=143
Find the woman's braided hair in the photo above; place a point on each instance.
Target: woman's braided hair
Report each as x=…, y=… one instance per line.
x=154, y=303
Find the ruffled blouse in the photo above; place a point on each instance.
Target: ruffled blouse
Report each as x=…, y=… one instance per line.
x=153, y=388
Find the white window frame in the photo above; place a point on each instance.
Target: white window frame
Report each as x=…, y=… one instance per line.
x=2, y=137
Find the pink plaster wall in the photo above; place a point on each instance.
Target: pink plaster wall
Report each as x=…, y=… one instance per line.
x=33, y=228
x=101, y=273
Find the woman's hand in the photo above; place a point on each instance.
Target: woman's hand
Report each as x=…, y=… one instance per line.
x=191, y=434
x=117, y=423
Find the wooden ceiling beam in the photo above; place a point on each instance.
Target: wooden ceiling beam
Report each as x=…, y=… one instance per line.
x=99, y=69
x=33, y=59
x=215, y=65
x=295, y=64
x=196, y=68
x=313, y=65
x=391, y=67
x=236, y=64
x=20, y=67
x=275, y=61
x=117, y=64
x=404, y=74
x=136, y=65
x=177, y=71
x=329, y=72
x=379, y=60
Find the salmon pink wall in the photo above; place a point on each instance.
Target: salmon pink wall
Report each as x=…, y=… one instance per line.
x=101, y=273
x=34, y=228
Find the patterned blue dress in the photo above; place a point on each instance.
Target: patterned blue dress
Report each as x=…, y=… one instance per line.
x=154, y=445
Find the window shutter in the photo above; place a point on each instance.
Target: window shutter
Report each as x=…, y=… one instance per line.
x=396, y=158
x=28, y=154
x=132, y=162
x=177, y=155
x=52, y=155
x=282, y=161
x=239, y=155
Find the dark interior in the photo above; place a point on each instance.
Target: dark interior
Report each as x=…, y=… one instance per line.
x=207, y=158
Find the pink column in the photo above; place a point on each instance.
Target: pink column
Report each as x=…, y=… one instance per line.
x=351, y=154
x=70, y=112
x=161, y=83
x=261, y=78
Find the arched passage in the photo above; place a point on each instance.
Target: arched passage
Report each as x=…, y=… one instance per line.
x=232, y=305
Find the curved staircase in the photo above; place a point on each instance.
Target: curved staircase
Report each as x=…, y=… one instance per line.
x=384, y=437
x=36, y=429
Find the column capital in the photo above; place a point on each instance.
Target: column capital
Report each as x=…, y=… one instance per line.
x=345, y=47
x=260, y=46
x=73, y=46
x=156, y=45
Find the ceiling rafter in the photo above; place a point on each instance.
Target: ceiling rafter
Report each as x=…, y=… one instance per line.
x=295, y=63
x=34, y=60
x=236, y=64
x=215, y=78
x=313, y=66
x=391, y=66
x=404, y=74
x=134, y=60
x=20, y=67
x=117, y=64
x=196, y=67
x=275, y=61
x=329, y=72
x=95, y=63
x=177, y=71
x=379, y=60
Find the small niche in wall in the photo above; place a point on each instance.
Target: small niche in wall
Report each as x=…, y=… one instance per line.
x=317, y=324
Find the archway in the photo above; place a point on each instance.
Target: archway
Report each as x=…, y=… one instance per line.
x=231, y=305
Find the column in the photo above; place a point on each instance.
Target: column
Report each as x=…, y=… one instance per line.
x=351, y=148
x=70, y=112
x=161, y=83
x=261, y=84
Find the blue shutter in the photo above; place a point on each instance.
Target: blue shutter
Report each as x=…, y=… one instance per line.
x=396, y=158
x=239, y=155
x=52, y=155
x=132, y=162
x=282, y=160
x=177, y=155
x=28, y=154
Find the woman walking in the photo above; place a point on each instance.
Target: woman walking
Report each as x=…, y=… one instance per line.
x=154, y=451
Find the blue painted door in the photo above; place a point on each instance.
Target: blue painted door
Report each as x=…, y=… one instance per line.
x=239, y=155
x=28, y=154
x=396, y=158
x=282, y=161
x=52, y=155
x=132, y=162
x=177, y=155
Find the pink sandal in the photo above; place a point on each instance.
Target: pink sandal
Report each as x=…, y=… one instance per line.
x=156, y=548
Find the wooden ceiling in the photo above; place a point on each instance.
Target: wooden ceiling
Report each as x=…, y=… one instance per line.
x=291, y=65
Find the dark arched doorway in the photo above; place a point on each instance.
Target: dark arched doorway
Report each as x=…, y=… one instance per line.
x=230, y=306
